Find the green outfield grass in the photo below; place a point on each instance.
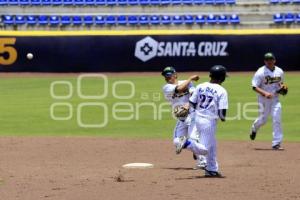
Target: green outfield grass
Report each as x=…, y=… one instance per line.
x=25, y=107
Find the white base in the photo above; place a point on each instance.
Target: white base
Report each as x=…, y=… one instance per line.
x=138, y=165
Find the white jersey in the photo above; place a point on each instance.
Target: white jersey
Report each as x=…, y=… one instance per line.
x=268, y=80
x=209, y=98
x=177, y=98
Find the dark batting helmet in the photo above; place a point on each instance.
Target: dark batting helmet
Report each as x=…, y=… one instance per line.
x=218, y=72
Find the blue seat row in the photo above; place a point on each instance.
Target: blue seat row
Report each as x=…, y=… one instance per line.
x=119, y=20
x=280, y=18
x=284, y=1
x=113, y=2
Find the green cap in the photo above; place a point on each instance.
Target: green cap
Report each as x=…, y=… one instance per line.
x=168, y=71
x=269, y=56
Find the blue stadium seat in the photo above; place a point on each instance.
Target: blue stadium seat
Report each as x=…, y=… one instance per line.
x=144, y=2
x=89, y=2
x=187, y=2
x=20, y=20
x=223, y=19
x=176, y=2
x=8, y=20
x=209, y=2
x=110, y=20
x=57, y=2
x=54, y=20
x=220, y=2
x=132, y=20
x=230, y=2
x=198, y=2
x=296, y=1
x=166, y=19
x=100, y=2
x=77, y=20
x=297, y=18
x=111, y=2
x=67, y=2
x=211, y=19
x=154, y=19
x=3, y=2
x=79, y=2
x=122, y=20
x=234, y=19
x=200, y=19
x=46, y=2
x=177, y=19
x=122, y=2
x=143, y=20
x=133, y=2
x=31, y=20
x=166, y=2
x=274, y=1
x=13, y=2
x=88, y=20
x=289, y=18
x=285, y=1
x=65, y=20
x=99, y=20
x=188, y=19
x=24, y=2
x=155, y=2
x=36, y=2
x=278, y=18
x=43, y=20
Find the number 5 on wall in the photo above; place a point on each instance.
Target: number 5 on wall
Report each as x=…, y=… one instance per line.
x=8, y=54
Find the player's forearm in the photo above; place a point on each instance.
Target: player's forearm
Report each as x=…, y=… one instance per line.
x=260, y=91
x=183, y=86
x=222, y=114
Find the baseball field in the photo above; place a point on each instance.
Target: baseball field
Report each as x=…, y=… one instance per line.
x=66, y=136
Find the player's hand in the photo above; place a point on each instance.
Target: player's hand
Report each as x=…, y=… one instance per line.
x=269, y=95
x=194, y=78
x=186, y=106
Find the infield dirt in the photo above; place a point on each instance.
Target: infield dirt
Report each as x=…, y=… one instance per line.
x=89, y=168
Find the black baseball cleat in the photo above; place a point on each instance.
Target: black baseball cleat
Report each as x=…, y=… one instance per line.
x=213, y=174
x=194, y=157
x=253, y=135
x=277, y=147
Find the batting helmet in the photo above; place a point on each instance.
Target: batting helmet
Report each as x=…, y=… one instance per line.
x=218, y=72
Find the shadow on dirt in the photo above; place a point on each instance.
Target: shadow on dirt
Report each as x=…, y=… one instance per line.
x=267, y=149
x=197, y=177
x=178, y=168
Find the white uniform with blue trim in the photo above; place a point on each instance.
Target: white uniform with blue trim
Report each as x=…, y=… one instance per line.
x=209, y=98
x=269, y=81
x=185, y=127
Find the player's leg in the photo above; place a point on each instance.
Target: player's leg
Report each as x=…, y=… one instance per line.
x=207, y=130
x=198, y=149
x=180, y=136
x=277, y=128
x=264, y=112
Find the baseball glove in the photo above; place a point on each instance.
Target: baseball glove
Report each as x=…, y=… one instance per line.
x=181, y=111
x=283, y=90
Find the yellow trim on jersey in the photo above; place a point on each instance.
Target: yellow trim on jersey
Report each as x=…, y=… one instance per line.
x=151, y=32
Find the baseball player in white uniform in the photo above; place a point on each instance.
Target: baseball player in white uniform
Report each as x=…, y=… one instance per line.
x=267, y=81
x=211, y=102
x=177, y=92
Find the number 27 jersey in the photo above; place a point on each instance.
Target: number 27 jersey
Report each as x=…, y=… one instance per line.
x=209, y=98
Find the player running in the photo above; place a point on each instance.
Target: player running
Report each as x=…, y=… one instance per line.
x=177, y=92
x=211, y=102
x=268, y=83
